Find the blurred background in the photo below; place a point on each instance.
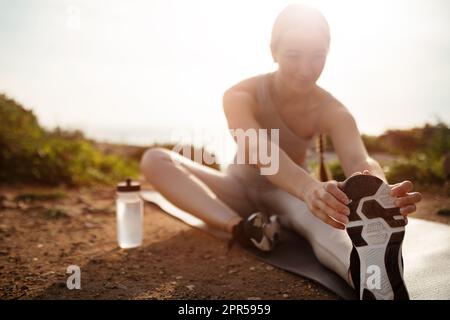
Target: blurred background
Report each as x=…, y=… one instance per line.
x=87, y=86
x=145, y=72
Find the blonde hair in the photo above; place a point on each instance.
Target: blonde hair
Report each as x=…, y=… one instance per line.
x=298, y=15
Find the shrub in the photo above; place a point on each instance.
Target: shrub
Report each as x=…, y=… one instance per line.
x=421, y=169
x=336, y=170
x=30, y=154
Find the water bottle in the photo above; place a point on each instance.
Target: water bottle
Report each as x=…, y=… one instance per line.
x=129, y=214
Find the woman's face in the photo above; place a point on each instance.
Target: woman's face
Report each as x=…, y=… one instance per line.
x=301, y=56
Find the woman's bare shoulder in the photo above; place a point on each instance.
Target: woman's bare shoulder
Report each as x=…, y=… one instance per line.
x=333, y=110
x=244, y=92
x=245, y=86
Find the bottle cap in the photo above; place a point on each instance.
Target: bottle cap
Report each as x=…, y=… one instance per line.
x=128, y=186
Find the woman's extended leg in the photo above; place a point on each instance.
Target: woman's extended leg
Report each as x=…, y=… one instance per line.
x=216, y=198
x=331, y=246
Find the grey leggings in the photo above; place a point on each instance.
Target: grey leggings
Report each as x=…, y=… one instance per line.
x=219, y=198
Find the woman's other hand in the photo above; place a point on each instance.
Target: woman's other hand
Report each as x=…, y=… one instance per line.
x=405, y=199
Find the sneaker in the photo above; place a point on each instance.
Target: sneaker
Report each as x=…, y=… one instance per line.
x=376, y=229
x=258, y=230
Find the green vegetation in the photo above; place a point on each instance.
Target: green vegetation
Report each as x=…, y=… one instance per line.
x=419, y=154
x=336, y=170
x=30, y=154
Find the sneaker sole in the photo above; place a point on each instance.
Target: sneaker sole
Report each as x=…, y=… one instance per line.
x=263, y=242
x=376, y=229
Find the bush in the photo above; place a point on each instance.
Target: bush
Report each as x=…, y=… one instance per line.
x=421, y=169
x=420, y=153
x=374, y=144
x=336, y=170
x=30, y=154
x=425, y=166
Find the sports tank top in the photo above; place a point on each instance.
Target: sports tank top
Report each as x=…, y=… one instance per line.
x=269, y=118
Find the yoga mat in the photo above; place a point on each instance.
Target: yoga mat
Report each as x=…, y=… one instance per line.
x=426, y=254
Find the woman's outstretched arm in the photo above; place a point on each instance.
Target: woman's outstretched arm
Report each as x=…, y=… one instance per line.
x=325, y=200
x=353, y=156
x=348, y=144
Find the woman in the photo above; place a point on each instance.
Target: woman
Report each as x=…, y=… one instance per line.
x=241, y=199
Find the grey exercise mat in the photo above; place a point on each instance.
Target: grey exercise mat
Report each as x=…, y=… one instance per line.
x=426, y=254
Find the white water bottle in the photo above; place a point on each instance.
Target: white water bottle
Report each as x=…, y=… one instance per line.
x=129, y=214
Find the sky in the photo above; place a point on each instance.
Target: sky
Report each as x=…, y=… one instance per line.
x=127, y=68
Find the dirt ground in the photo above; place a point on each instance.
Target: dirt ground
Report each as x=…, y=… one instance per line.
x=43, y=231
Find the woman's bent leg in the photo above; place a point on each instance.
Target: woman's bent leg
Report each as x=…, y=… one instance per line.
x=216, y=198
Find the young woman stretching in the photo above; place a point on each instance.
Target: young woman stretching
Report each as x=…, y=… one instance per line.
x=243, y=201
